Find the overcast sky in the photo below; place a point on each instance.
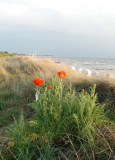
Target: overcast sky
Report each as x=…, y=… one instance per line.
x=74, y=28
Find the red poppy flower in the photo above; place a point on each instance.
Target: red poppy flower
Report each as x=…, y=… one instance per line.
x=62, y=74
x=49, y=86
x=38, y=81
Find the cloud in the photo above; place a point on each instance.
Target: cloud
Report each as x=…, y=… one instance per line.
x=72, y=17
x=61, y=24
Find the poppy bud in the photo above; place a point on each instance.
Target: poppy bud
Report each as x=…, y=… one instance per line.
x=49, y=86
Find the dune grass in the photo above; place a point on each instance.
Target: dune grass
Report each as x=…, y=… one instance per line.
x=72, y=120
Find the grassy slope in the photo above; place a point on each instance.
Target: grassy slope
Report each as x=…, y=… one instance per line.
x=16, y=78
x=17, y=88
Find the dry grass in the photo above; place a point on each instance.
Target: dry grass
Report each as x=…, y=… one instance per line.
x=24, y=66
x=18, y=70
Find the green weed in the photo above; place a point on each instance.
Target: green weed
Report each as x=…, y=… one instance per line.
x=59, y=111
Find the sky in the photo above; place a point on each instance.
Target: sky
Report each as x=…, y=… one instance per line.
x=68, y=28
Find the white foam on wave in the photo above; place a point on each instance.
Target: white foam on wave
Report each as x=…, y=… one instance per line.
x=73, y=68
x=80, y=69
x=85, y=71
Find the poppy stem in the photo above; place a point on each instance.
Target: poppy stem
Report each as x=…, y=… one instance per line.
x=61, y=86
x=37, y=88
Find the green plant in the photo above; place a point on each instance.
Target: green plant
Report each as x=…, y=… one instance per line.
x=62, y=116
x=2, y=104
x=59, y=111
x=20, y=140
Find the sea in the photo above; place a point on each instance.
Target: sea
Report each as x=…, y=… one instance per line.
x=89, y=65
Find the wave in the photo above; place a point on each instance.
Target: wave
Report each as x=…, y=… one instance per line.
x=103, y=68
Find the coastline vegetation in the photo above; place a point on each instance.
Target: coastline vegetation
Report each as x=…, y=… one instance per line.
x=5, y=53
x=71, y=117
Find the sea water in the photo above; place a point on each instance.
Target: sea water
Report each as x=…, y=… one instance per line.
x=97, y=66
